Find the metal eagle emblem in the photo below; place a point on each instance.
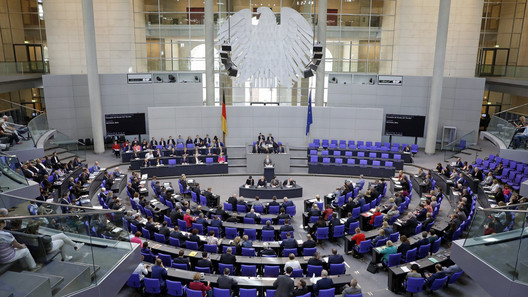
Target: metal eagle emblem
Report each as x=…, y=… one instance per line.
x=267, y=50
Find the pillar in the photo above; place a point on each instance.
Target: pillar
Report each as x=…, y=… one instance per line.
x=438, y=76
x=321, y=37
x=94, y=89
x=209, y=53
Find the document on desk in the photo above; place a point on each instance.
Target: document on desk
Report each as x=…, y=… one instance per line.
x=405, y=269
x=193, y=253
x=157, y=246
x=433, y=260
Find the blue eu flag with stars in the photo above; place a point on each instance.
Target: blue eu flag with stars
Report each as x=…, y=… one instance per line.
x=309, y=116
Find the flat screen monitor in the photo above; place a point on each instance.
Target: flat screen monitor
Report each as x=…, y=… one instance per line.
x=404, y=125
x=125, y=124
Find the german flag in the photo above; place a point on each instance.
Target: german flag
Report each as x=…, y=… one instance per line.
x=224, y=115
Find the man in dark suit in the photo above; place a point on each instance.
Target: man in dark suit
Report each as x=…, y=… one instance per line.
x=228, y=257
x=286, y=202
x=274, y=202
x=289, y=183
x=227, y=282
x=204, y=262
x=164, y=230
x=275, y=182
x=335, y=258
x=421, y=213
x=251, y=214
x=233, y=201
x=437, y=275
x=284, y=284
x=268, y=226
x=216, y=222
x=324, y=283
x=289, y=242
x=180, y=258
x=153, y=143
x=316, y=260
x=286, y=227
x=266, y=251
x=422, y=241
x=309, y=243
x=212, y=200
x=221, y=213
x=178, y=235
x=409, y=226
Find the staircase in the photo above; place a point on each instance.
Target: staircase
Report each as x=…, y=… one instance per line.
x=237, y=160
x=298, y=160
x=55, y=279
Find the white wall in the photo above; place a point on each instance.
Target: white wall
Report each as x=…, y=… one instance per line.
x=67, y=102
x=460, y=107
x=415, y=37
x=114, y=30
x=287, y=124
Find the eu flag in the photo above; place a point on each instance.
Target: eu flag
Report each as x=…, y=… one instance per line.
x=309, y=116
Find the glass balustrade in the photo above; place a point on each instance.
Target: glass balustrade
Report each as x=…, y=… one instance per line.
x=38, y=127
x=502, y=129
x=499, y=237
x=11, y=176
x=106, y=240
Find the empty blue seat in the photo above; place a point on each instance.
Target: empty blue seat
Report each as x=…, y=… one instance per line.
x=181, y=266
x=389, y=164
x=172, y=162
x=152, y=285
x=159, y=238
x=268, y=235
x=202, y=269
x=274, y=209
x=351, y=161
x=174, y=241
x=217, y=292
x=339, y=161
x=314, y=159
x=337, y=269
x=287, y=252
x=372, y=155
x=231, y=233
x=248, y=270
x=326, y=161
x=311, y=270
x=309, y=251
x=376, y=163
x=248, y=292
x=134, y=281
x=251, y=233
x=271, y=271
x=327, y=293
x=363, y=162
x=394, y=260
x=414, y=285
x=322, y=233
x=191, y=245
x=249, y=252
x=297, y=273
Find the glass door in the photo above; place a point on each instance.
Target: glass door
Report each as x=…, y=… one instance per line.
x=493, y=61
x=29, y=58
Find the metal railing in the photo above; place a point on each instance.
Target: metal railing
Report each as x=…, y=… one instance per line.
x=499, y=237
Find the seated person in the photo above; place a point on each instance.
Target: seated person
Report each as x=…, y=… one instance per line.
x=261, y=183
x=197, y=285
x=389, y=249
x=324, y=283
x=289, y=183
x=266, y=251
x=250, y=181
x=430, y=277
x=381, y=236
x=12, y=250
x=352, y=289
x=294, y=264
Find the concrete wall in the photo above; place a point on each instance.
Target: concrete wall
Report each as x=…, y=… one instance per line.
x=67, y=102
x=114, y=30
x=415, y=37
x=461, y=101
x=287, y=124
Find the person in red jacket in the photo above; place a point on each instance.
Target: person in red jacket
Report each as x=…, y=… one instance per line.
x=197, y=285
x=188, y=218
x=327, y=212
x=358, y=237
x=376, y=213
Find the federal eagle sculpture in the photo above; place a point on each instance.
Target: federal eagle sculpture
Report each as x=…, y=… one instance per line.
x=268, y=51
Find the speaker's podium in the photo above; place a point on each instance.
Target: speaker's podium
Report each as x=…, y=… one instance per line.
x=269, y=173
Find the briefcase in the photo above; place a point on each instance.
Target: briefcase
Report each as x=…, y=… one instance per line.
x=372, y=268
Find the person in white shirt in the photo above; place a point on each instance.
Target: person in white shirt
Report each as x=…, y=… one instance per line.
x=141, y=269
x=294, y=264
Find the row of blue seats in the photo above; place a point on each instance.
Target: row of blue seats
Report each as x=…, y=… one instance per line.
x=351, y=144
x=513, y=174
x=350, y=161
x=178, y=146
x=360, y=154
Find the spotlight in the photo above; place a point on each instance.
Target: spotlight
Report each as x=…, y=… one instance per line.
x=224, y=55
x=317, y=62
x=232, y=70
x=159, y=79
x=318, y=48
x=226, y=47
x=308, y=73
x=172, y=79
x=312, y=66
x=317, y=56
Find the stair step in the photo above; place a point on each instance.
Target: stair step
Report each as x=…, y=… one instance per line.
x=237, y=165
x=54, y=280
x=76, y=276
x=24, y=285
x=475, y=148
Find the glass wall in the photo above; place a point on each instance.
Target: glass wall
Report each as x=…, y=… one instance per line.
x=170, y=37
x=501, y=37
x=23, y=37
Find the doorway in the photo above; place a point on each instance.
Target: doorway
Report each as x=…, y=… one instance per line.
x=493, y=61
x=29, y=58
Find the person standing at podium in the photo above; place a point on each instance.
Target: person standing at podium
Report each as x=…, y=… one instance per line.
x=267, y=162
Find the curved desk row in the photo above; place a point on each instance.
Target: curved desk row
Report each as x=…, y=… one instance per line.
x=259, y=283
x=176, y=170
x=129, y=155
x=135, y=164
x=377, y=171
x=269, y=192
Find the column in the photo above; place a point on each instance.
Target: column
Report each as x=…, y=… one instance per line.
x=209, y=53
x=438, y=76
x=94, y=90
x=321, y=37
